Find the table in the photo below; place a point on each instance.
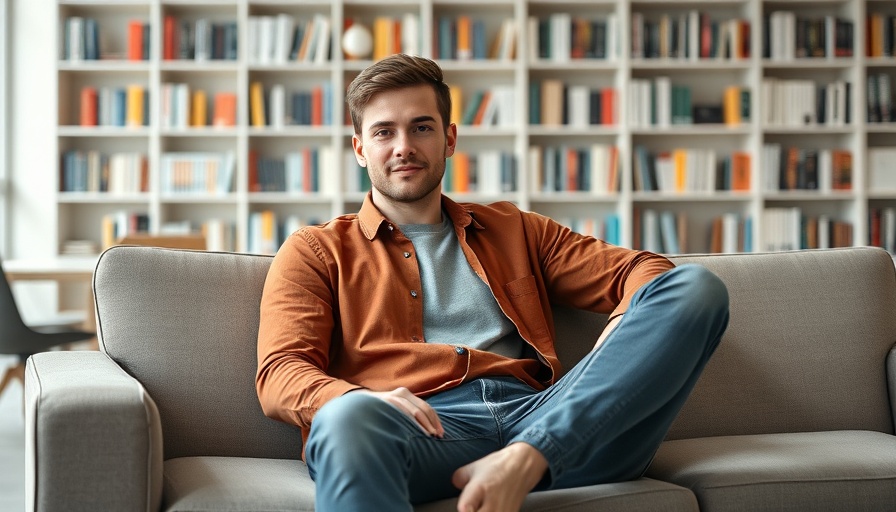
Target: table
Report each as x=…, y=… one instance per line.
x=62, y=270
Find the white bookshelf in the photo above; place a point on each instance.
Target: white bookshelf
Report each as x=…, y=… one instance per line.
x=80, y=213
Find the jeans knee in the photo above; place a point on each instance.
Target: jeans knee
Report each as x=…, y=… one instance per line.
x=704, y=290
x=349, y=427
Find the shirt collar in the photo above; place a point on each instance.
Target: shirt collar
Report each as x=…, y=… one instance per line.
x=372, y=219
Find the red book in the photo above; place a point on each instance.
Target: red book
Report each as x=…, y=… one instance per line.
x=317, y=106
x=88, y=106
x=254, y=185
x=225, y=109
x=169, y=51
x=608, y=106
x=135, y=40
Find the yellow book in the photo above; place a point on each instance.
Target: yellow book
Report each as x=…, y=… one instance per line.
x=731, y=107
x=256, y=103
x=680, y=157
x=456, y=106
x=135, y=106
x=382, y=38
x=199, y=105
x=464, y=38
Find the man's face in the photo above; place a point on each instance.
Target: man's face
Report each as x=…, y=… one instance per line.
x=403, y=144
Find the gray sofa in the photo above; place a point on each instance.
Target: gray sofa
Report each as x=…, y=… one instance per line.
x=794, y=412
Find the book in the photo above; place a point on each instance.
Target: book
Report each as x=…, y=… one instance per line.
x=89, y=106
x=224, y=109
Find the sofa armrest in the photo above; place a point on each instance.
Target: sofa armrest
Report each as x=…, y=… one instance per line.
x=93, y=440
x=891, y=381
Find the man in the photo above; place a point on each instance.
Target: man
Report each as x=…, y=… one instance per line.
x=413, y=342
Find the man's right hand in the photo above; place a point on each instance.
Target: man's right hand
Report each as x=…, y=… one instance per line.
x=416, y=408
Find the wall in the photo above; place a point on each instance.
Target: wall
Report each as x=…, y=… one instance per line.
x=32, y=127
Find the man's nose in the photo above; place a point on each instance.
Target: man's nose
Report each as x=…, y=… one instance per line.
x=404, y=146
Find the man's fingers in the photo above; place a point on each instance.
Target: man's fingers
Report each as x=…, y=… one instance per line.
x=418, y=409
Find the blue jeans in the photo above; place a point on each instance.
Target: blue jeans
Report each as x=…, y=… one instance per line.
x=602, y=422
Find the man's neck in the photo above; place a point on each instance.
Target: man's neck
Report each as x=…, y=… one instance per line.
x=425, y=211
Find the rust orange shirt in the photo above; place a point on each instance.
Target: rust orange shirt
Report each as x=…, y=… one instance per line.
x=342, y=307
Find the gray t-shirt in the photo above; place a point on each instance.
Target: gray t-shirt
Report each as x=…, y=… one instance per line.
x=458, y=307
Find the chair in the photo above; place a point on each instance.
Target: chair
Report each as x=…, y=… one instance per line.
x=19, y=339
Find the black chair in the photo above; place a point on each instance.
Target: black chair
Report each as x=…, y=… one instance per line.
x=19, y=339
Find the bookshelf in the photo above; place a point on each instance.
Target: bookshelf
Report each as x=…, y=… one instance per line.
x=656, y=124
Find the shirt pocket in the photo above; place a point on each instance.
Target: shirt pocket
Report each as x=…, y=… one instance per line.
x=523, y=296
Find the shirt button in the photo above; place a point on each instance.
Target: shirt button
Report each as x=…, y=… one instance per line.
x=460, y=350
x=391, y=227
x=414, y=293
x=407, y=255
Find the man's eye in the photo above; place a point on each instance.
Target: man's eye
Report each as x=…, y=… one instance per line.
x=423, y=128
x=381, y=133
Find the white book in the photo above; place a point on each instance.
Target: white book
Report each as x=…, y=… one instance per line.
x=532, y=38
x=730, y=232
x=669, y=233
x=650, y=228
x=694, y=35
x=824, y=232
x=283, y=30
x=202, y=49
x=577, y=105
x=663, y=101
x=253, y=44
x=612, y=37
x=267, y=29
x=888, y=229
x=881, y=169
x=561, y=28
x=410, y=34
x=600, y=170
x=637, y=35
x=322, y=47
x=825, y=171
x=75, y=37
x=535, y=168
x=277, y=107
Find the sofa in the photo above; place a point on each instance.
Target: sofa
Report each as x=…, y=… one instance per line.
x=794, y=411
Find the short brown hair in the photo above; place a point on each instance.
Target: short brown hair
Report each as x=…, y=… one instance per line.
x=397, y=72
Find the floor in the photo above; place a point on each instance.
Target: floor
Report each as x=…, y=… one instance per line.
x=12, y=445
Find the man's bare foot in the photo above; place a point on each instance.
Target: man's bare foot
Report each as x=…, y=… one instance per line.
x=500, y=481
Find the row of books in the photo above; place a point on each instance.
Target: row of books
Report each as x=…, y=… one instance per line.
x=690, y=170
x=206, y=173
x=304, y=171
x=880, y=35
x=793, y=168
x=554, y=103
x=788, y=36
x=114, y=106
x=396, y=35
x=486, y=172
x=490, y=107
x=273, y=107
x=461, y=38
x=566, y=168
x=278, y=39
x=605, y=228
x=882, y=228
x=788, y=228
x=181, y=108
x=80, y=39
x=268, y=230
x=200, y=40
x=93, y=171
x=562, y=37
x=116, y=225
x=667, y=231
x=220, y=234
x=658, y=102
x=881, y=108
x=692, y=35
x=797, y=102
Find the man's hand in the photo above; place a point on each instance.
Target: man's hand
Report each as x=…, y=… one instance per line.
x=415, y=407
x=500, y=481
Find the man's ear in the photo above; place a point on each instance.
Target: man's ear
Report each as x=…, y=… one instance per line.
x=450, y=140
x=358, y=148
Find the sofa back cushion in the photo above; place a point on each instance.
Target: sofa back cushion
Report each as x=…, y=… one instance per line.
x=185, y=324
x=805, y=348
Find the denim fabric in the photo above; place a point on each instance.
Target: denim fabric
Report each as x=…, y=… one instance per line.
x=602, y=422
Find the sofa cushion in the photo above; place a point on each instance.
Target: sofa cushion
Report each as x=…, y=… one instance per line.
x=194, y=484
x=818, y=471
x=805, y=348
x=236, y=484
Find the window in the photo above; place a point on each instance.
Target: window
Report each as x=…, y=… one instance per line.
x=4, y=119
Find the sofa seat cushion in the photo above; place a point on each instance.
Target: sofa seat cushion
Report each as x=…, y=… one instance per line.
x=236, y=484
x=818, y=471
x=636, y=496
